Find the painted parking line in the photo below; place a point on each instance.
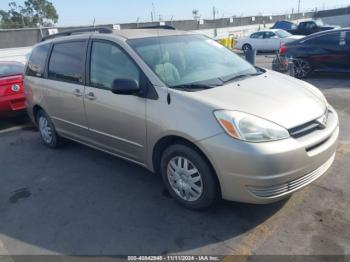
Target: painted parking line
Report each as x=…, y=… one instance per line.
x=15, y=128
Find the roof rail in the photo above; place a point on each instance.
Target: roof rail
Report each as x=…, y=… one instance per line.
x=102, y=30
x=168, y=27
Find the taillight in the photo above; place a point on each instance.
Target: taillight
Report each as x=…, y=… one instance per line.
x=9, y=80
x=283, y=50
x=11, y=85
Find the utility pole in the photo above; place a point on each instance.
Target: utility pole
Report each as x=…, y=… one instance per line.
x=298, y=9
x=214, y=19
x=153, y=11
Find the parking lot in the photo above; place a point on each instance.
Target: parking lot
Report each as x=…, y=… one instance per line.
x=79, y=201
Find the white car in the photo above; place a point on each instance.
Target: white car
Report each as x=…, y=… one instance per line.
x=266, y=40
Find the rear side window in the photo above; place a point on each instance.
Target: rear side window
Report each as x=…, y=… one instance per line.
x=67, y=62
x=269, y=34
x=36, y=62
x=327, y=39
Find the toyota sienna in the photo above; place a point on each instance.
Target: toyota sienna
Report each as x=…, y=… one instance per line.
x=181, y=105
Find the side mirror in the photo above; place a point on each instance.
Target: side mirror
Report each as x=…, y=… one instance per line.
x=125, y=87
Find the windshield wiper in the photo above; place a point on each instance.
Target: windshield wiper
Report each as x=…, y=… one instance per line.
x=240, y=76
x=193, y=87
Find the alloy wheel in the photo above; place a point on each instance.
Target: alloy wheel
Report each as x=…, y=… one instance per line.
x=301, y=68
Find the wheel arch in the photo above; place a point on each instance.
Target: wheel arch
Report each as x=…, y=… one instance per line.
x=36, y=109
x=163, y=143
x=247, y=44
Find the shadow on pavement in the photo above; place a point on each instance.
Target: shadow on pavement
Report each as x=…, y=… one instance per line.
x=77, y=200
x=11, y=121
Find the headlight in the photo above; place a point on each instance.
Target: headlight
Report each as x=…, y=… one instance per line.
x=249, y=128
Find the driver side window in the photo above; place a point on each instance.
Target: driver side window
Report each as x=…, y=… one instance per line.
x=109, y=62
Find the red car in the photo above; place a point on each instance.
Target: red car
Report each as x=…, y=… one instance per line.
x=12, y=98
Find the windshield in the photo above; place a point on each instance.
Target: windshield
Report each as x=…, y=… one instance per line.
x=190, y=61
x=283, y=34
x=319, y=22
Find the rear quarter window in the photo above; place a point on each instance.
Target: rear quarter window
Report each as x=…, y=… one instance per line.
x=37, y=60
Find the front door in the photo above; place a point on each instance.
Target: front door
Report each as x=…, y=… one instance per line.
x=117, y=123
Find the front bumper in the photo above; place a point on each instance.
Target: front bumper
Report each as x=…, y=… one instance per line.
x=267, y=172
x=12, y=103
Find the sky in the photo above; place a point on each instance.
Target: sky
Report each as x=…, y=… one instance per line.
x=83, y=12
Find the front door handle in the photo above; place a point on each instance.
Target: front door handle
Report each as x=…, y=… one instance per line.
x=77, y=92
x=91, y=96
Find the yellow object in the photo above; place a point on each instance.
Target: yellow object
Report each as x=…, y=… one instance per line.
x=228, y=42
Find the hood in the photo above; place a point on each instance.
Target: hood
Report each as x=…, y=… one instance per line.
x=279, y=98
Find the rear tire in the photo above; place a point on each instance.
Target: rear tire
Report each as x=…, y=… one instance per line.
x=189, y=178
x=47, y=130
x=302, y=68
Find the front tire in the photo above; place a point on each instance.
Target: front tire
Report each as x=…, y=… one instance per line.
x=189, y=178
x=47, y=130
x=246, y=47
x=302, y=68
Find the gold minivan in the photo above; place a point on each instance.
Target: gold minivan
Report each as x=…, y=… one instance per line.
x=183, y=106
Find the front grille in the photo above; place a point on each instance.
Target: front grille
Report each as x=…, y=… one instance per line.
x=308, y=127
x=289, y=187
x=304, y=129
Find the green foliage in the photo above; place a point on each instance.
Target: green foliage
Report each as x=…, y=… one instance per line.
x=34, y=13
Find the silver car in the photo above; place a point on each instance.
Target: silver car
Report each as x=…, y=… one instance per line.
x=181, y=105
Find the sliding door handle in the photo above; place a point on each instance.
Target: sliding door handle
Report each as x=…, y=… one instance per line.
x=90, y=96
x=77, y=92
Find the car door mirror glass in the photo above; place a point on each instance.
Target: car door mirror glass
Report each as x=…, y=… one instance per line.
x=125, y=86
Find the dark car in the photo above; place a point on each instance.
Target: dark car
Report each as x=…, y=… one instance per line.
x=327, y=51
x=284, y=25
x=311, y=27
x=12, y=99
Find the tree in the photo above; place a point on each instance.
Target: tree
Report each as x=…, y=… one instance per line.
x=34, y=13
x=195, y=14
